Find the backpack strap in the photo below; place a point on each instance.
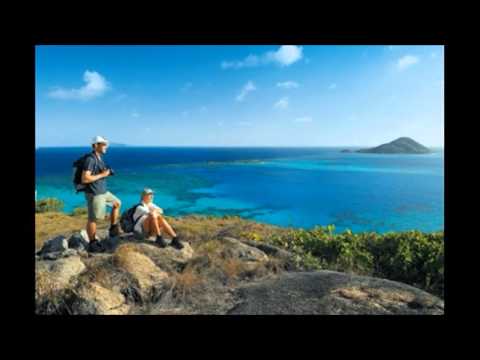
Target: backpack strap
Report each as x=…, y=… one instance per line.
x=95, y=157
x=135, y=221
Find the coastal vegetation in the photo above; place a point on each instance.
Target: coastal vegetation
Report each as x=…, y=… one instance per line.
x=48, y=204
x=413, y=257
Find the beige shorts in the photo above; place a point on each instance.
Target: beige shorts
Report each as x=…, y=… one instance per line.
x=97, y=204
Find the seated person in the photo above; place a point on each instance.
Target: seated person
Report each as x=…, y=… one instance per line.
x=149, y=221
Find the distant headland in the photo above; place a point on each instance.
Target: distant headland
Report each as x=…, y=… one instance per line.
x=402, y=145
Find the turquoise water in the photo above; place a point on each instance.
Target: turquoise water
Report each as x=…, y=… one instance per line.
x=300, y=187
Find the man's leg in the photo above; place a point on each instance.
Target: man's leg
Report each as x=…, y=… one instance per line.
x=165, y=225
x=91, y=229
x=96, y=211
x=115, y=213
x=152, y=227
x=91, y=223
x=115, y=203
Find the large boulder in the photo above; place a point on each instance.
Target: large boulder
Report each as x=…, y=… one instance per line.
x=94, y=299
x=286, y=257
x=139, y=266
x=52, y=276
x=250, y=256
x=331, y=293
x=236, y=249
x=167, y=259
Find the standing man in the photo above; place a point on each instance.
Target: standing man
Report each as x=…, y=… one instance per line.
x=94, y=175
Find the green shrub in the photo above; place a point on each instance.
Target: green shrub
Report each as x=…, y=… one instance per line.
x=413, y=257
x=79, y=211
x=48, y=204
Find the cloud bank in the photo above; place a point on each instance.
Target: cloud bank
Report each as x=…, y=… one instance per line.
x=95, y=85
x=286, y=55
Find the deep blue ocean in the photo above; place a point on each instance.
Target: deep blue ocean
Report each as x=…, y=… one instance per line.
x=300, y=187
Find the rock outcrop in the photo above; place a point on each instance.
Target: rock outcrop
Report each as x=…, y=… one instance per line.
x=139, y=266
x=53, y=276
x=224, y=275
x=94, y=299
x=333, y=293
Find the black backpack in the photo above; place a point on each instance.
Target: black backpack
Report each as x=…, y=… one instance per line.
x=126, y=220
x=77, y=173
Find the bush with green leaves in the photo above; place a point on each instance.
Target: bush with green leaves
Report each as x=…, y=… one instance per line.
x=412, y=257
x=48, y=204
x=79, y=211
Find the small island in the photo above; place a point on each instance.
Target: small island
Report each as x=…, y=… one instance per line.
x=346, y=151
x=403, y=145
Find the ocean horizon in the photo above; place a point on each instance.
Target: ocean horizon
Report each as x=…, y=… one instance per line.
x=302, y=186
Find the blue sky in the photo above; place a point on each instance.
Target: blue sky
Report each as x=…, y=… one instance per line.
x=291, y=95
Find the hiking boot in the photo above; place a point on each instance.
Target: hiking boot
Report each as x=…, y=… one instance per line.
x=176, y=243
x=95, y=246
x=114, y=230
x=160, y=241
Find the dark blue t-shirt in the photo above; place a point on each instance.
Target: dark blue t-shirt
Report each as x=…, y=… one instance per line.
x=96, y=166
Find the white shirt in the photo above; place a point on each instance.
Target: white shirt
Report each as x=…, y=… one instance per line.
x=141, y=214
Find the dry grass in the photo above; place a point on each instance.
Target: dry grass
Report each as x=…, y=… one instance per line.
x=386, y=296
x=210, y=247
x=196, y=228
x=44, y=286
x=184, y=283
x=51, y=224
x=232, y=268
x=193, y=228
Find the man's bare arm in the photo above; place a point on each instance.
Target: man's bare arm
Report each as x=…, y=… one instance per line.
x=88, y=178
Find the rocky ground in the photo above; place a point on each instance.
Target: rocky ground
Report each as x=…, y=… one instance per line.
x=220, y=270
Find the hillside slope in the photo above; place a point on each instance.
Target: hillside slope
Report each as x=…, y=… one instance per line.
x=228, y=266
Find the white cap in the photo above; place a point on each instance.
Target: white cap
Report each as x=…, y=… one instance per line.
x=99, y=139
x=147, y=191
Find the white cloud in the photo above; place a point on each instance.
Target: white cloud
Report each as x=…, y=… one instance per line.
x=406, y=61
x=135, y=114
x=285, y=55
x=281, y=104
x=288, y=85
x=203, y=109
x=220, y=123
x=185, y=113
x=305, y=119
x=95, y=86
x=248, y=87
x=332, y=86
